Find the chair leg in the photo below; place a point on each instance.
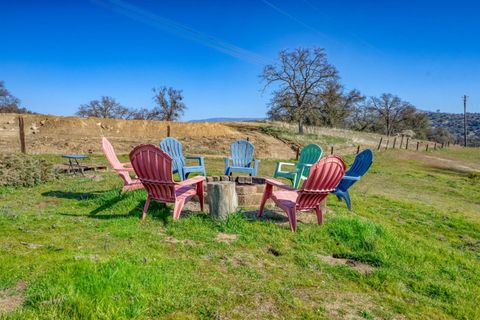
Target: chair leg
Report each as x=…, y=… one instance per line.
x=145, y=207
x=178, y=208
x=200, y=194
x=319, y=213
x=266, y=194
x=347, y=200
x=292, y=218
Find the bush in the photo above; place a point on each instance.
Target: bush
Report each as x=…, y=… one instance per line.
x=18, y=170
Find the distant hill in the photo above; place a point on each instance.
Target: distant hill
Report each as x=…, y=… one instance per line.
x=454, y=123
x=228, y=120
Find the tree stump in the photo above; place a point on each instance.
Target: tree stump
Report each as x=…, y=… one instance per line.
x=222, y=199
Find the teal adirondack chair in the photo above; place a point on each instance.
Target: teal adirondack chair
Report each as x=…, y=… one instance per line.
x=241, y=159
x=309, y=155
x=173, y=148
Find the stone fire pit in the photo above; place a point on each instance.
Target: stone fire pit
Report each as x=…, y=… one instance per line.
x=249, y=189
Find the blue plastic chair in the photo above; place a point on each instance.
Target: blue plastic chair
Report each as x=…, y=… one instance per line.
x=360, y=166
x=173, y=148
x=241, y=159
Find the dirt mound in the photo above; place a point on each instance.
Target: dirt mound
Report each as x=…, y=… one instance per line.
x=58, y=135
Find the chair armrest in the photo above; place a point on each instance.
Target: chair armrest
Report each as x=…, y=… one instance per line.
x=199, y=158
x=351, y=178
x=227, y=161
x=191, y=181
x=279, y=184
x=280, y=164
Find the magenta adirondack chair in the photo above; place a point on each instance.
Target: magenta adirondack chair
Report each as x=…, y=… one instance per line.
x=323, y=178
x=122, y=169
x=154, y=169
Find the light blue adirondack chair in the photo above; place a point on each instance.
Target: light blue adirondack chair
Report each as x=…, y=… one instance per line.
x=241, y=159
x=173, y=148
x=309, y=155
x=360, y=166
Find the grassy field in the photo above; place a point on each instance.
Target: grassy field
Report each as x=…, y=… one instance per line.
x=74, y=249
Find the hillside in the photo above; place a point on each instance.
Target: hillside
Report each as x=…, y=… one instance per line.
x=273, y=140
x=454, y=123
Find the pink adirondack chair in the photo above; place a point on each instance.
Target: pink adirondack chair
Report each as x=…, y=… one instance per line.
x=323, y=178
x=122, y=169
x=154, y=169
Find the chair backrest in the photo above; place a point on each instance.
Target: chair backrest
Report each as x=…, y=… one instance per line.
x=173, y=148
x=360, y=166
x=154, y=169
x=113, y=160
x=242, y=153
x=310, y=154
x=323, y=178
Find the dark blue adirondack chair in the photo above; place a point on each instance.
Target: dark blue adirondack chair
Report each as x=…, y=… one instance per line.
x=241, y=159
x=173, y=148
x=360, y=166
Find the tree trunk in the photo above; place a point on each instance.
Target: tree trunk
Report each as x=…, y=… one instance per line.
x=222, y=199
x=300, y=125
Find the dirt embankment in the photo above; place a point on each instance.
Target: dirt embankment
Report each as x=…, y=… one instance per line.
x=59, y=135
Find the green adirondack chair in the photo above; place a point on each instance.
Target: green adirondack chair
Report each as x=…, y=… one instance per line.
x=309, y=155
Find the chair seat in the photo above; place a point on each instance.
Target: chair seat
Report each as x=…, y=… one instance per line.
x=286, y=174
x=285, y=199
x=193, y=168
x=240, y=169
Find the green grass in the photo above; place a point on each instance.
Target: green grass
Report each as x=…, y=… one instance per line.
x=84, y=254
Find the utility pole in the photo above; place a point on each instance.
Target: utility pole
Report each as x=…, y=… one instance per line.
x=465, y=120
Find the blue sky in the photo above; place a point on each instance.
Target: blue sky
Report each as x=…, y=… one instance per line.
x=57, y=55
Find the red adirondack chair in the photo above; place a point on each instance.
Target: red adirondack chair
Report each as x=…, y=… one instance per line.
x=154, y=169
x=323, y=178
x=122, y=169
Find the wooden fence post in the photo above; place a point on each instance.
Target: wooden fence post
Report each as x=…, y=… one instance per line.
x=168, y=131
x=401, y=142
x=297, y=153
x=331, y=150
x=418, y=144
x=406, y=146
x=426, y=148
x=21, y=126
x=435, y=146
x=394, y=142
x=380, y=143
x=386, y=144
x=358, y=149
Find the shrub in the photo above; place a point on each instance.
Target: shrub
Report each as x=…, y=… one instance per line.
x=20, y=170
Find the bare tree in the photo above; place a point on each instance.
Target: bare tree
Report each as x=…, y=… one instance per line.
x=8, y=102
x=106, y=107
x=389, y=110
x=336, y=105
x=169, y=104
x=300, y=76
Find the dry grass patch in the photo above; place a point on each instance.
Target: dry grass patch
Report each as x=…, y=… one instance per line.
x=12, y=298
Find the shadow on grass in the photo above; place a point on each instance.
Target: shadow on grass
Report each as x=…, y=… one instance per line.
x=74, y=195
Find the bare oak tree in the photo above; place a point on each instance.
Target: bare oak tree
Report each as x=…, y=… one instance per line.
x=106, y=107
x=8, y=102
x=169, y=104
x=336, y=105
x=389, y=110
x=300, y=76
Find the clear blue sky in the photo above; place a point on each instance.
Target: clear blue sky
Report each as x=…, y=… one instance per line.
x=56, y=55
